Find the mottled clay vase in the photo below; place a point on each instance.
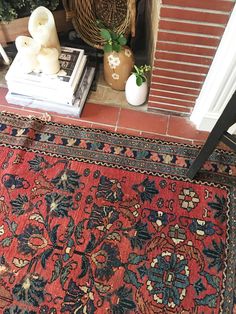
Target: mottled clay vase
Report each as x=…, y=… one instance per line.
x=135, y=95
x=118, y=67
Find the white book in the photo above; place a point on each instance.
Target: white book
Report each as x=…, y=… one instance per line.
x=67, y=78
x=47, y=92
x=78, y=101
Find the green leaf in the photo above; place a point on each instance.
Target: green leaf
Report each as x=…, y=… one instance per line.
x=84, y=267
x=144, y=78
x=57, y=270
x=14, y=226
x=131, y=277
x=91, y=244
x=139, y=80
x=65, y=273
x=69, y=229
x=78, y=231
x=105, y=34
x=114, y=36
x=122, y=40
x=116, y=47
x=136, y=259
x=209, y=300
x=136, y=69
x=45, y=256
x=6, y=242
x=53, y=234
x=107, y=48
x=214, y=281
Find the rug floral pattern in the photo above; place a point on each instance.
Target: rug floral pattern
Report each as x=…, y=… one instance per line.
x=82, y=237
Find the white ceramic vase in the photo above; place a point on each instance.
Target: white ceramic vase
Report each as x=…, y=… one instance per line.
x=135, y=95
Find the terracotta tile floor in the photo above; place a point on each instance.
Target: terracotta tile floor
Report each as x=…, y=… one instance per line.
x=123, y=120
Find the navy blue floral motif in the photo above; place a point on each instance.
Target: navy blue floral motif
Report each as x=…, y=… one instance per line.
x=199, y=286
x=86, y=172
x=110, y=189
x=139, y=235
x=220, y=208
x=47, y=310
x=163, y=184
x=38, y=163
x=89, y=199
x=78, y=299
x=146, y=190
x=17, y=310
x=67, y=180
x=124, y=301
x=30, y=290
x=31, y=240
x=202, y=227
x=216, y=255
x=58, y=205
x=158, y=217
x=2, y=126
x=20, y=205
x=78, y=196
x=13, y=182
x=160, y=202
x=168, y=278
x=102, y=217
x=96, y=174
x=106, y=259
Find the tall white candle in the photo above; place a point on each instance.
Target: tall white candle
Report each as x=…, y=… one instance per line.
x=4, y=55
x=28, y=50
x=43, y=29
x=48, y=60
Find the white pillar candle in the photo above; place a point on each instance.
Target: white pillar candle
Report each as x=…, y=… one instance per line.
x=43, y=29
x=4, y=55
x=28, y=50
x=48, y=60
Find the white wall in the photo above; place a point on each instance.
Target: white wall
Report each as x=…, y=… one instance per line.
x=220, y=82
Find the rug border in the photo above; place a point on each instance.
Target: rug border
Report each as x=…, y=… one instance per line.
x=121, y=135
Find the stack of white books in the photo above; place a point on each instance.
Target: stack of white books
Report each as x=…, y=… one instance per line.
x=64, y=92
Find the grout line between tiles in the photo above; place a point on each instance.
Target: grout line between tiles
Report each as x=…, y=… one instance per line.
x=118, y=118
x=167, y=126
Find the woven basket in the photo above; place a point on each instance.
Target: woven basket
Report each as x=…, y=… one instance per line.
x=118, y=15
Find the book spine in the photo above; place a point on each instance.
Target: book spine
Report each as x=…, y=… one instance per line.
x=83, y=89
x=79, y=73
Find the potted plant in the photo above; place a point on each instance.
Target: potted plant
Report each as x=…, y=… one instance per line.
x=10, y=10
x=118, y=59
x=136, y=87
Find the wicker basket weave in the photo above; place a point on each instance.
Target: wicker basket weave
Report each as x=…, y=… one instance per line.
x=84, y=14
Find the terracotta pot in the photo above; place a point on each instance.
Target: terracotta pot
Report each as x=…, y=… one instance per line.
x=135, y=95
x=117, y=67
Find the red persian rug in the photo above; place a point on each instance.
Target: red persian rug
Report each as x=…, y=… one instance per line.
x=96, y=222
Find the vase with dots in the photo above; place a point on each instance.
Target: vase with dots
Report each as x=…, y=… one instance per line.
x=118, y=59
